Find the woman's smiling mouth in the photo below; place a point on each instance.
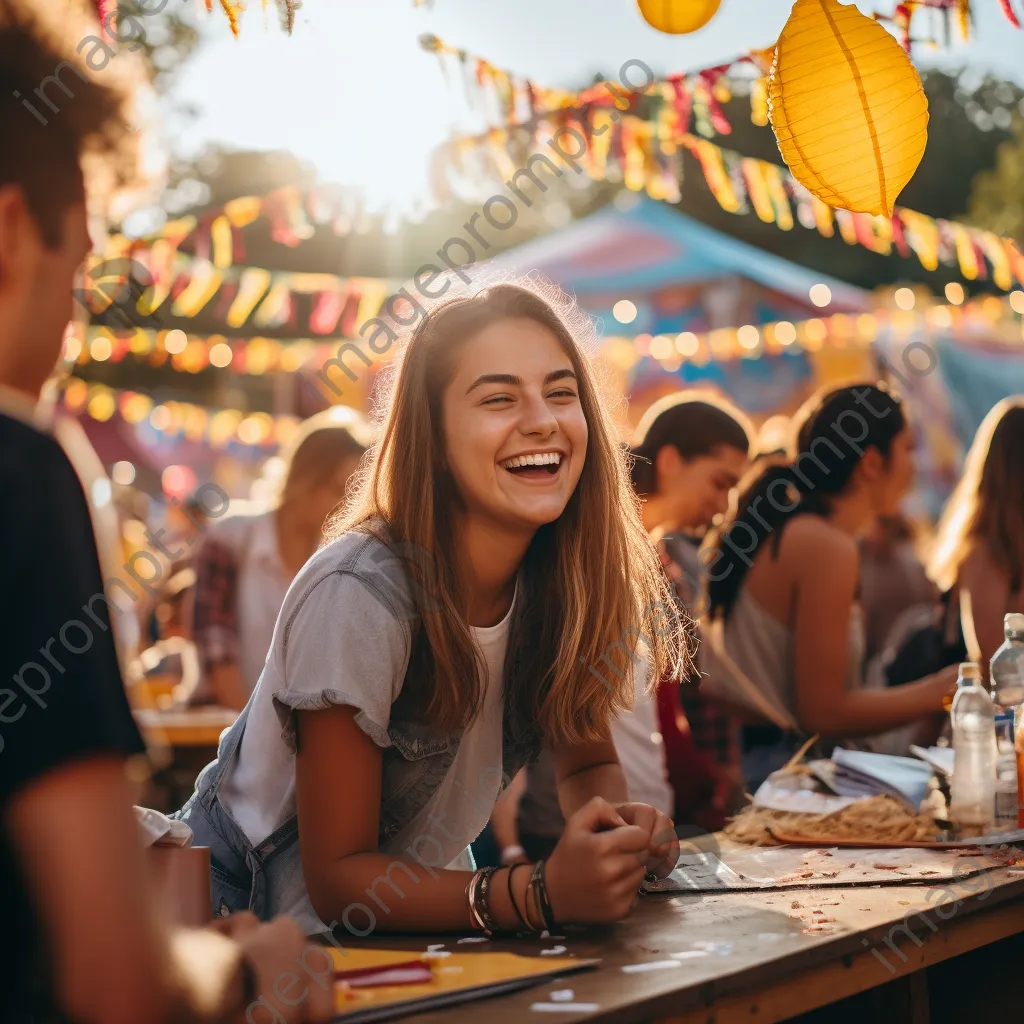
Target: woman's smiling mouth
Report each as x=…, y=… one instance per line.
x=538, y=466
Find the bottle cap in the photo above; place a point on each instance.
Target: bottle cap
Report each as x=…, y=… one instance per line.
x=1013, y=626
x=970, y=671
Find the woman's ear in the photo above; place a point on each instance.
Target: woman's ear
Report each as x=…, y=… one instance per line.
x=872, y=465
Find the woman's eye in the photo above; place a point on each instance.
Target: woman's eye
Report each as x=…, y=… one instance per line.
x=563, y=393
x=495, y=399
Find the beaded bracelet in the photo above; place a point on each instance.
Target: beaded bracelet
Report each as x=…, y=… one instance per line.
x=479, y=901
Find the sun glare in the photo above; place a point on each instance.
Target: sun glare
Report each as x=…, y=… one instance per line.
x=351, y=92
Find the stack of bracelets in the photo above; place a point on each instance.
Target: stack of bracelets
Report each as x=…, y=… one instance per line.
x=535, y=918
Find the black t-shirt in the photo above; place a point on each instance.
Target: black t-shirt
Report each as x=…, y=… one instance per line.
x=61, y=694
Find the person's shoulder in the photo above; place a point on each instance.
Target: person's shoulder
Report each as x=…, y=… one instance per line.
x=980, y=562
x=364, y=558
x=358, y=551
x=823, y=544
x=24, y=448
x=33, y=465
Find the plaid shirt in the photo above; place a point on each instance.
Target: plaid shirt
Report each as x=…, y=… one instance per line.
x=215, y=614
x=714, y=731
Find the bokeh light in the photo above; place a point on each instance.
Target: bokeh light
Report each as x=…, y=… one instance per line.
x=821, y=295
x=687, y=344
x=175, y=341
x=624, y=311
x=220, y=354
x=785, y=332
x=178, y=481
x=904, y=299
x=123, y=473
x=748, y=336
x=100, y=348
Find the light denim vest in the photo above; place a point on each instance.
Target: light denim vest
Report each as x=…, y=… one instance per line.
x=247, y=877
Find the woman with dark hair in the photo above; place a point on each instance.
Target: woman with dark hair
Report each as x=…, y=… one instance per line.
x=691, y=450
x=980, y=546
x=783, y=582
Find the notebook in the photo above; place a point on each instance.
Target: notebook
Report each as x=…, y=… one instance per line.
x=381, y=984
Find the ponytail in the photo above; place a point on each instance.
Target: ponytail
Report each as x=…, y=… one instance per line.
x=835, y=431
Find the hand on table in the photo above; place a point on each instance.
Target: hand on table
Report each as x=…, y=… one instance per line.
x=662, y=845
x=595, y=872
x=277, y=952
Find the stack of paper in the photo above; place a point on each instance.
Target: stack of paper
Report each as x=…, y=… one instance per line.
x=859, y=773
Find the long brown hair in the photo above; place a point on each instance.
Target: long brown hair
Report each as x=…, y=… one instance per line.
x=988, y=503
x=591, y=593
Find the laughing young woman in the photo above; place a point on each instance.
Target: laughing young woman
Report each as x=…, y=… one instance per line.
x=492, y=558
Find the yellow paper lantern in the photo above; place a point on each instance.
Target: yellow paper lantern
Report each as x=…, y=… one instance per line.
x=847, y=107
x=678, y=17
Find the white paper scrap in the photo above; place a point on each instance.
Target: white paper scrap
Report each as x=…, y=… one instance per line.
x=653, y=965
x=553, y=951
x=565, y=1007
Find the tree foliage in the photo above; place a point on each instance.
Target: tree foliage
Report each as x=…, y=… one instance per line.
x=997, y=195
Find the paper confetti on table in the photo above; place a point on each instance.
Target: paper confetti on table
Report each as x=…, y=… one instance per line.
x=565, y=1007
x=653, y=965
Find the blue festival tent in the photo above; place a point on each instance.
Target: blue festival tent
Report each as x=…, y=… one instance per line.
x=680, y=274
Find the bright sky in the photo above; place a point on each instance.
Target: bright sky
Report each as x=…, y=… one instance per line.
x=352, y=91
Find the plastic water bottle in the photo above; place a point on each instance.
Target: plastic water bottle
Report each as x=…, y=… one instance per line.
x=973, y=789
x=1006, y=670
x=1006, y=677
x=1006, y=773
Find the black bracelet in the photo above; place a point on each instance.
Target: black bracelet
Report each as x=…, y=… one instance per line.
x=540, y=896
x=512, y=897
x=545, y=900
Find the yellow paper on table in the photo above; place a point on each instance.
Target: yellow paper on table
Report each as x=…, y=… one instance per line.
x=457, y=978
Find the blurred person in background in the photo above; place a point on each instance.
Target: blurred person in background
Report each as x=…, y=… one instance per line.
x=678, y=750
x=247, y=562
x=783, y=581
x=892, y=578
x=692, y=450
x=82, y=937
x=979, y=552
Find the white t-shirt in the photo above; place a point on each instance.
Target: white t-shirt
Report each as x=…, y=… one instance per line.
x=461, y=806
x=638, y=742
x=336, y=644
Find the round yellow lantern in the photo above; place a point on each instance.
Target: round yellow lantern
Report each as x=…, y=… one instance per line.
x=847, y=107
x=678, y=17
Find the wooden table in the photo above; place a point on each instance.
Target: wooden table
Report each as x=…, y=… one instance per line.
x=748, y=957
